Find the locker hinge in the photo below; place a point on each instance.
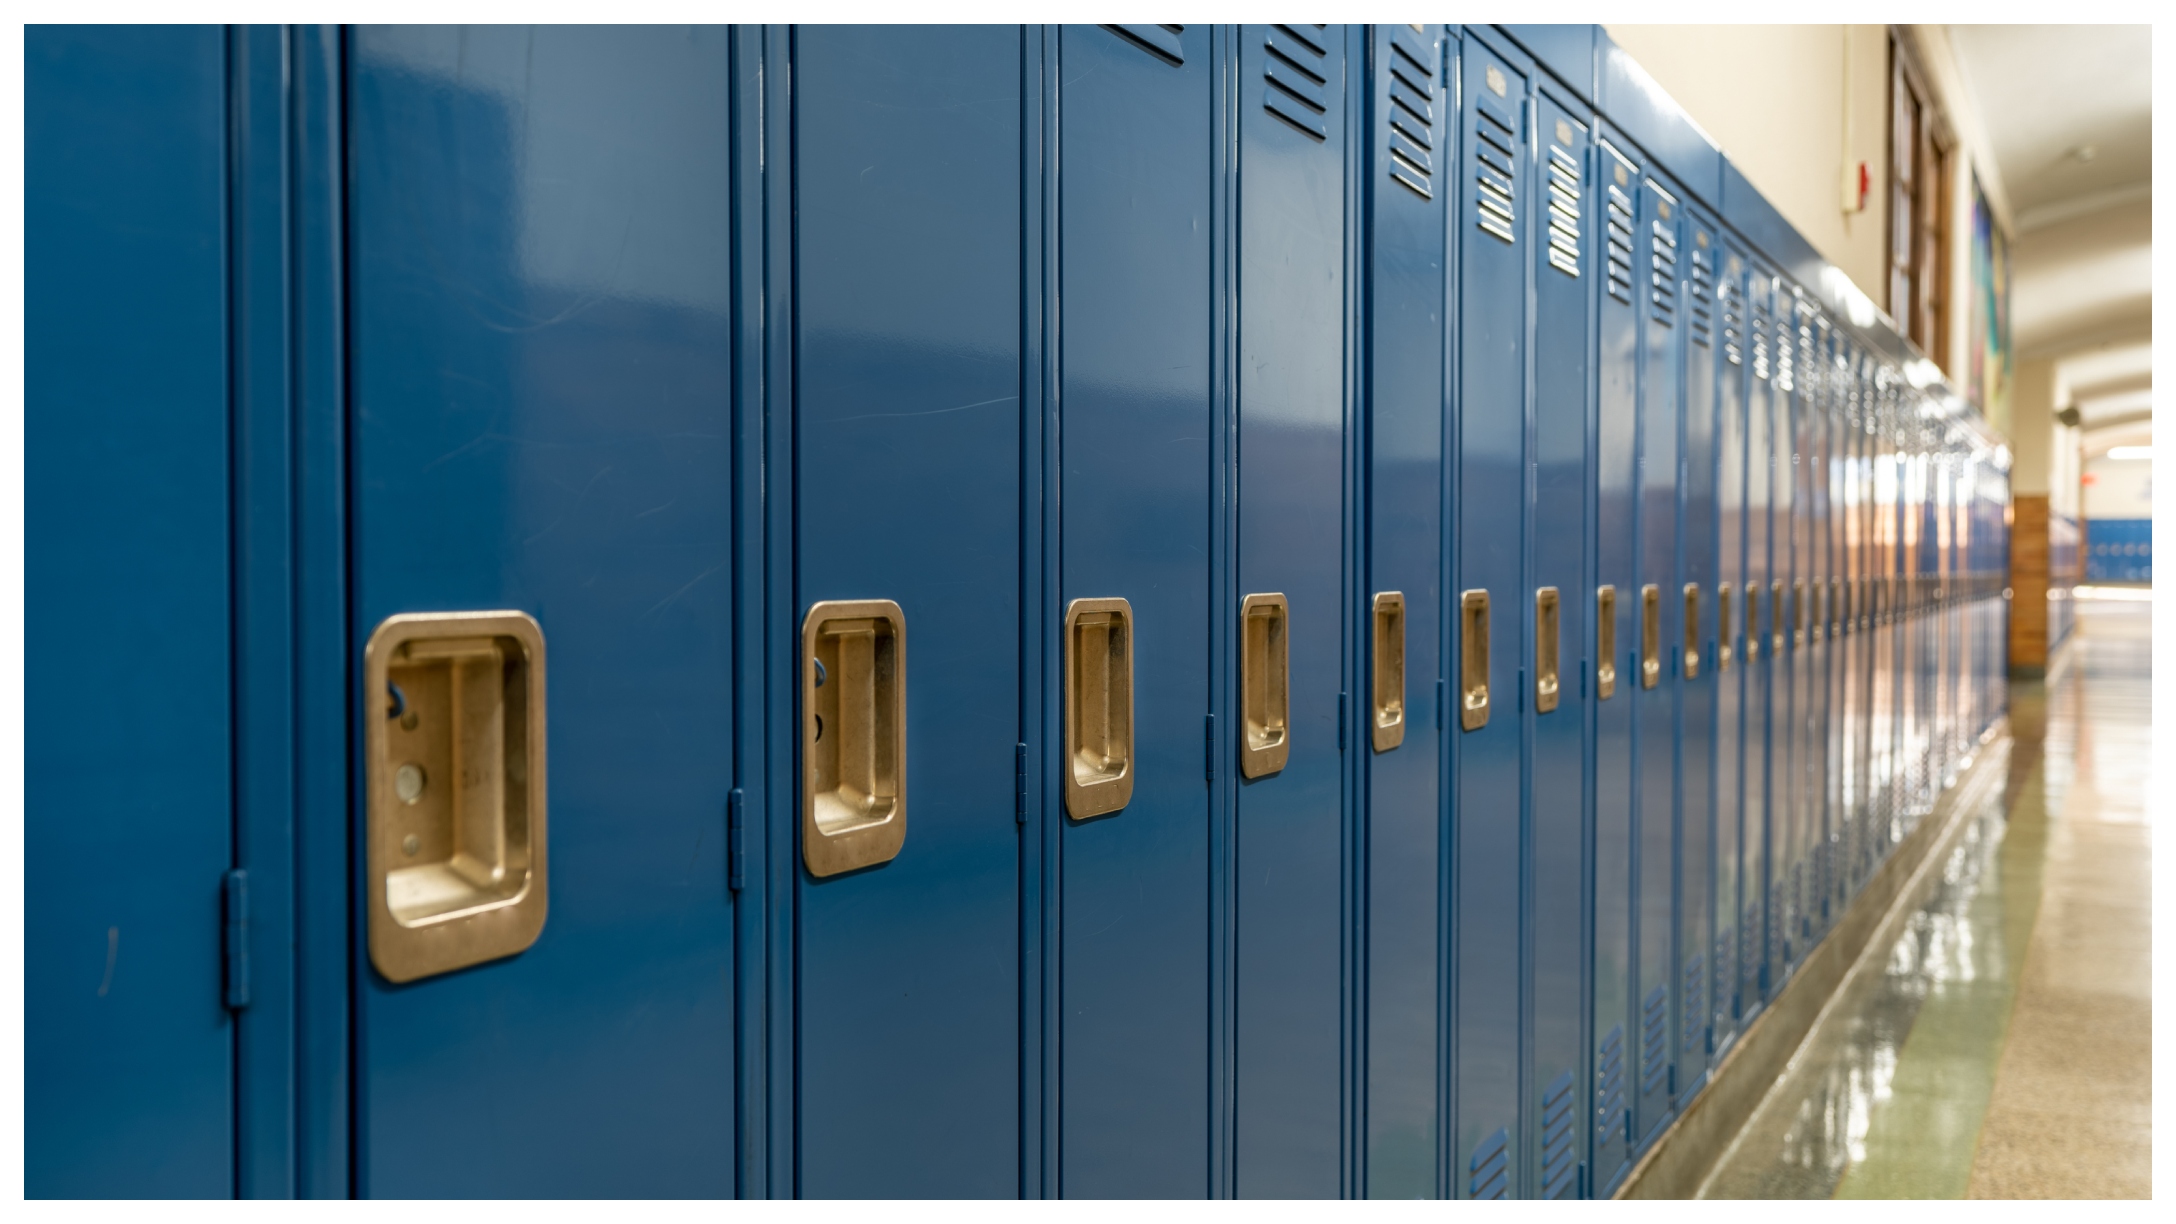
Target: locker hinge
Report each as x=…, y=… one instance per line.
x=1208, y=747
x=1341, y=722
x=234, y=938
x=1020, y=783
x=736, y=839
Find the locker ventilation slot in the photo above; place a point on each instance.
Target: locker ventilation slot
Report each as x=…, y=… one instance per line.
x=1662, y=267
x=1784, y=363
x=1733, y=321
x=1654, y=1039
x=1412, y=134
x=1620, y=244
x=1609, y=1085
x=1488, y=1174
x=1695, y=1007
x=1749, y=957
x=1761, y=324
x=1161, y=41
x=1557, y=1165
x=1722, y=966
x=1564, y=195
x=1496, y=207
x=1297, y=69
x=1703, y=297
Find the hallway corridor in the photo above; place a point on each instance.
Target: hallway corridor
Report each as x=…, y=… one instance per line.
x=2000, y=1045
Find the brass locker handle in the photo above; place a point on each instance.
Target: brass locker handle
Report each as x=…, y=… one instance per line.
x=1387, y=726
x=1605, y=643
x=853, y=734
x=1775, y=618
x=1798, y=613
x=1098, y=706
x=1546, y=650
x=1752, y=622
x=1724, y=629
x=1836, y=620
x=1473, y=672
x=1265, y=684
x=453, y=747
x=1650, y=635
x=1692, y=631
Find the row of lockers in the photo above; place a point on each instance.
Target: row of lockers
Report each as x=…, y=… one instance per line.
x=1419, y=619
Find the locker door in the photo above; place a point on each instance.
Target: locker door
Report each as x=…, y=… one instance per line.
x=1563, y=256
x=907, y=183
x=1135, y=421
x=1756, y=920
x=1496, y=207
x=1695, y=602
x=1805, y=675
x=1613, y=645
x=129, y=1089
x=1823, y=623
x=1400, y=738
x=1731, y=658
x=1785, y=945
x=1657, y=630
x=1288, y=813
x=540, y=336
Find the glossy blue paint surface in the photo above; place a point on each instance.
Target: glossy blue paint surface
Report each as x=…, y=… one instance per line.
x=1556, y=777
x=907, y=180
x=1696, y=837
x=127, y=825
x=1615, y=469
x=1404, y=438
x=540, y=336
x=1288, y=827
x=1134, y=482
x=1488, y=553
x=1731, y=663
x=1760, y=927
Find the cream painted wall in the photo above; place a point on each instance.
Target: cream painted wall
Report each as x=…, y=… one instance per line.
x=1773, y=97
x=2121, y=488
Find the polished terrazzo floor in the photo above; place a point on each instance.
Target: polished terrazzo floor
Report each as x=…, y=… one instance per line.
x=2001, y=1046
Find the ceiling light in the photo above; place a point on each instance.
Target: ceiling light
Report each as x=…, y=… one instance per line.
x=2130, y=452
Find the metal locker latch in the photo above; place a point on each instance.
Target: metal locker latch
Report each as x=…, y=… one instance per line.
x=853, y=734
x=1775, y=618
x=1473, y=671
x=1265, y=688
x=1798, y=614
x=1098, y=706
x=1546, y=650
x=1692, y=631
x=453, y=747
x=1650, y=635
x=1752, y=622
x=1605, y=643
x=1724, y=631
x=1386, y=728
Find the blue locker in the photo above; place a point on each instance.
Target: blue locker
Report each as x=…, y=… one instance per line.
x=1411, y=143
x=129, y=1074
x=1563, y=257
x=1656, y=615
x=1785, y=589
x=1618, y=291
x=540, y=345
x=1757, y=919
x=1496, y=208
x=1288, y=824
x=1730, y=656
x=907, y=178
x=1695, y=601
x=1805, y=687
x=1139, y=222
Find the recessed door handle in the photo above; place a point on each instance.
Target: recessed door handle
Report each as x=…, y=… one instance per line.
x=1265, y=684
x=1098, y=706
x=1692, y=631
x=1387, y=726
x=853, y=734
x=454, y=761
x=1605, y=642
x=1546, y=685
x=1650, y=635
x=1775, y=618
x=1473, y=670
x=1724, y=630
x=1752, y=622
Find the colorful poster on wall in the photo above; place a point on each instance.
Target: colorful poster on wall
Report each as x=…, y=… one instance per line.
x=1990, y=358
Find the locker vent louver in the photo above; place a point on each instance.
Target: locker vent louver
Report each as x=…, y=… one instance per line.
x=1609, y=1085
x=1496, y=208
x=1695, y=1007
x=1488, y=1174
x=1557, y=1165
x=1297, y=72
x=1784, y=361
x=1620, y=243
x=1750, y=956
x=1412, y=134
x=1564, y=196
x=1733, y=301
x=1662, y=269
x=1161, y=41
x=1760, y=342
x=1723, y=988
x=1703, y=296
x=1654, y=1039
